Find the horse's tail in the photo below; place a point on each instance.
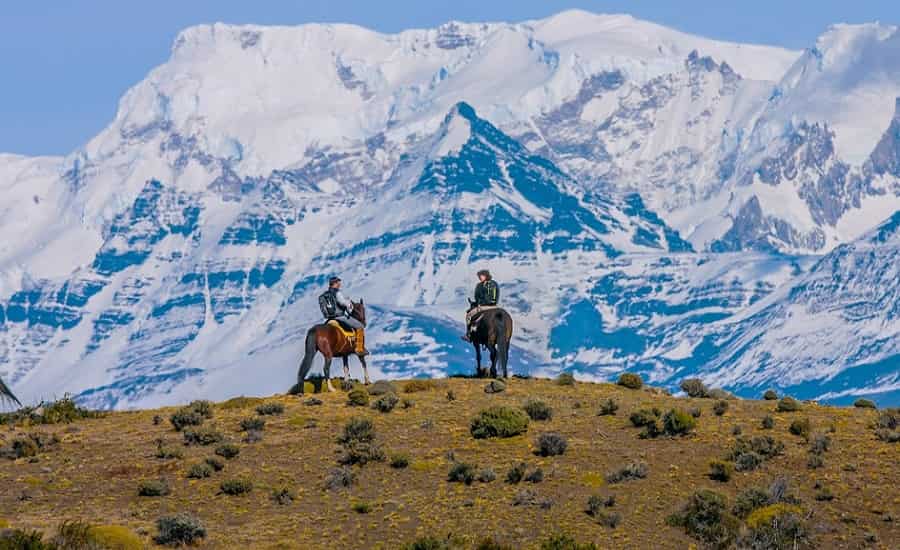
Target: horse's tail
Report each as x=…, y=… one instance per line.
x=308, y=356
x=503, y=336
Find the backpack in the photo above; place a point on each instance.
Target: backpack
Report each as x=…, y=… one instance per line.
x=328, y=305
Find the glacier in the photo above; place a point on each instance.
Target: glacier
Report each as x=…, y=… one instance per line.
x=649, y=200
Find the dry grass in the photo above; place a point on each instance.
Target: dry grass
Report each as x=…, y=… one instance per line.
x=92, y=474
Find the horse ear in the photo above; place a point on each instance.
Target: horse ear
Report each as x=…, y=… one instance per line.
x=362, y=302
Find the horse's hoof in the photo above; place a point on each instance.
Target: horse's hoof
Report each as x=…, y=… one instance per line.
x=329, y=387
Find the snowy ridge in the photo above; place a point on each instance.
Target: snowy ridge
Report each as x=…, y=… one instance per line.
x=649, y=200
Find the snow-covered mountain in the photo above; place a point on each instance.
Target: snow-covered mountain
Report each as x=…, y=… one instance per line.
x=642, y=194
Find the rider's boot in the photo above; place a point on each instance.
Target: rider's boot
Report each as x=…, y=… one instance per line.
x=361, y=342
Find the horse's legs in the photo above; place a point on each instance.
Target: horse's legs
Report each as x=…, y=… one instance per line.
x=493, y=350
x=326, y=370
x=346, y=360
x=362, y=359
x=478, y=371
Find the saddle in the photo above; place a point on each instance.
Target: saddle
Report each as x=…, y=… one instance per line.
x=348, y=332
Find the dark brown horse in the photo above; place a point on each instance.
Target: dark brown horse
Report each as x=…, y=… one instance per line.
x=493, y=330
x=328, y=340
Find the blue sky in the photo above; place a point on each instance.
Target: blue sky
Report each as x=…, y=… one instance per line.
x=65, y=63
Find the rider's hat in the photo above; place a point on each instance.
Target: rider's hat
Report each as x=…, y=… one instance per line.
x=334, y=280
x=484, y=272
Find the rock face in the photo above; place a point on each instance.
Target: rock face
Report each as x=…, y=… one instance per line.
x=639, y=192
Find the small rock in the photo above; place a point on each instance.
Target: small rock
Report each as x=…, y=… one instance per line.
x=495, y=386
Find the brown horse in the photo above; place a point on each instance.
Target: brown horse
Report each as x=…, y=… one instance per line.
x=328, y=340
x=493, y=330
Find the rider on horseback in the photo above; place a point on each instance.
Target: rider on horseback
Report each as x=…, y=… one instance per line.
x=336, y=306
x=487, y=294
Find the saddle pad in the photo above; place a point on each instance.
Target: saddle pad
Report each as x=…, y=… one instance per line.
x=348, y=334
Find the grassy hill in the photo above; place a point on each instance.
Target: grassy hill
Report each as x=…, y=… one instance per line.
x=317, y=475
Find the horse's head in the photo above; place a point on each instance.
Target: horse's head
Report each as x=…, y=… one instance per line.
x=359, y=311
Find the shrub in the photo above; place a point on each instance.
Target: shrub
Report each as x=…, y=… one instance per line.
x=596, y=503
x=358, y=397
x=495, y=386
x=115, y=537
x=788, y=404
x=706, y=518
x=749, y=500
x=153, y=488
x=240, y=402
x=20, y=447
x=358, y=440
x=236, y=487
x=538, y=410
x=630, y=380
x=486, y=475
x=178, y=530
x=535, y=476
x=643, y=417
x=764, y=445
x=216, y=464
x=419, y=384
x=719, y=470
x=381, y=387
x=694, y=387
x=720, y=407
x=864, y=404
x=565, y=379
x=499, y=421
x=737, y=430
x=361, y=507
x=339, y=478
x=283, y=495
x=608, y=407
x=768, y=422
x=451, y=395
x=491, y=544
x=632, y=470
x=428, y=543
x=184, y=417
x=166, y=451
x=253, y=436
x=551, y=444
x=270, y=409
x=357, y=429
x=313, y=402
x=696, y=412
x=719, y=393
x=228, y=450
x=407, y=403
x=819, y=443
x=678, y=422
x=565, y=542
x=462, y=472
x=814, y=461
x=823, y=494
x=16, y=539
x=776, y=527
x=516, y=473
x=253, y=423
x=747, y=461
x=801, y=427
x=399, y=461
x=770, y=395
x=386, y=403
x=200, y=471
x=202, y=435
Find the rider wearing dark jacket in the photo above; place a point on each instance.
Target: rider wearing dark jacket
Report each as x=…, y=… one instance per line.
x=335, y=305
x=487, y=295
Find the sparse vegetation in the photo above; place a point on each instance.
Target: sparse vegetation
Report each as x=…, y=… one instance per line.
x=200, y=471
x=178, y=530
x=253, y=423
x=887, y=427
x=768, y=422
x=694, y=387
x=386, y=402
x=720, y=407
x=399, y=461
x=358, y=442
x=499, y=421
x=632, y=470
x=630, y=380
x=381, y=387
x=283, y=495
x=339, y=478
x=270, y=409
x=358, y=397
x=234, y=487
x=719, y=470
x=565, y=542
x=608, y=407
x=215, y=463
x=550, y=444
x=516, y=473
x=153, y=488
x=538, y=410
x=462, y=472
x=801, y=427
x=770, y=395
x=62, y=411
x=419, y=384
x=678, y=422
x=486, y=475
x=228, y=450
x=565, y=379
x=203, y=435
x=705, y=517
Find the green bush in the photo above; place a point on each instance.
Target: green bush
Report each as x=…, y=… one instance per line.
x=358, y=441
x=185, y=417
x=179, y=530
x=153, y=488
x=535, y=476
x=386, y=402
x=236, y=487
x=167, y=451
x=694, y=387
x=643, y=417
x=565, y=542
x=270, y=409
x=339, y=478
x=864, y=404
x=632, y=470
x=399, y=461
x=202, y=435
x=283, y=495
x=770, y=395
x=499, y=421
x=630, y=380
x=747, y=461
x=801, y=427
x=228, y=450
x=516, y=473
x=719, y=470
x=538, y=410
x=565, y=379
x=678, y=422
x=486, y=475
x=200, y=471
x=887, y=424
x=253, y=423
x=788, y=404
x=550, y=444
x=749, y=500
x=419, y=384
x=462, y=472
x=705, y=517
x=775, y=527
x=19, y=539
x=214, y=463
x=819, y=443
x=361, y=507
x=720, y=407
x=768, y=422
x=357, y=430
x=608, y=408
x=63, y=411
x=358, y=397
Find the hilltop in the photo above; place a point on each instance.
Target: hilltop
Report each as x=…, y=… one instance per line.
x=831, y=478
